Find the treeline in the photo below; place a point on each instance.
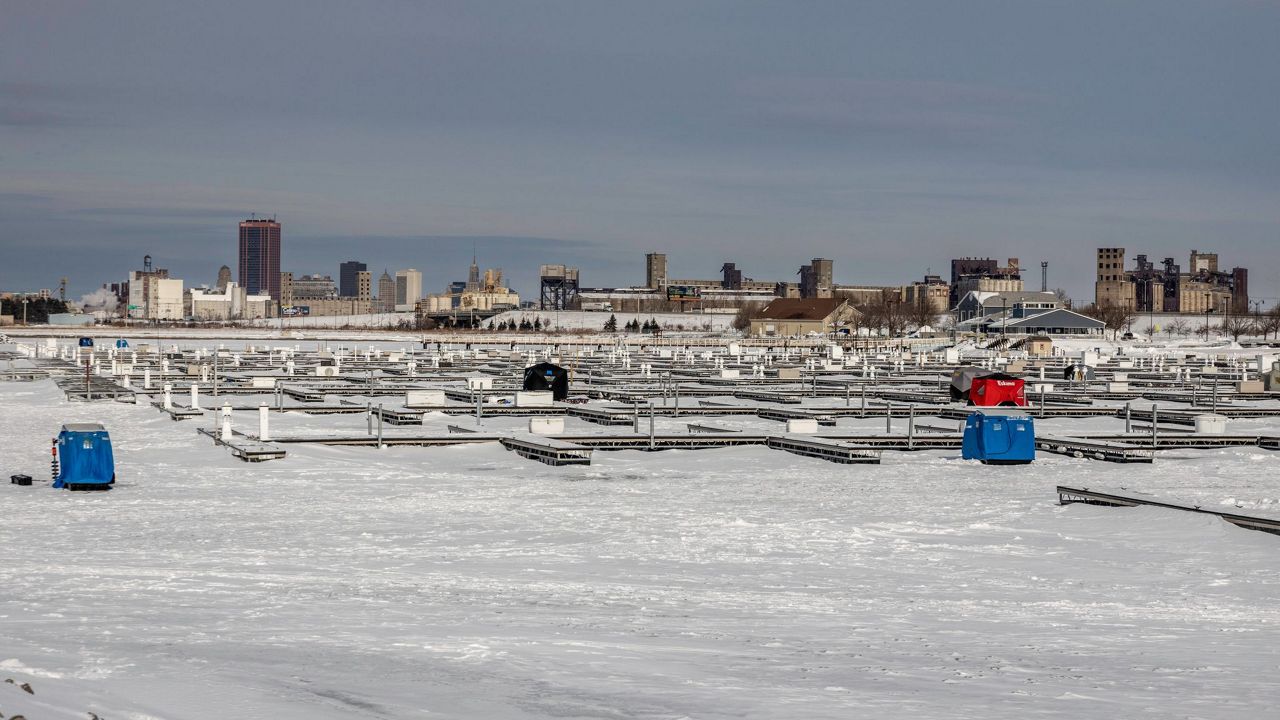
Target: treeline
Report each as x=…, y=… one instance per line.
x=38, y=309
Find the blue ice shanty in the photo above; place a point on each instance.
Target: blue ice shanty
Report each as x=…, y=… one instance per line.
x=84, y=457
x=998, y=439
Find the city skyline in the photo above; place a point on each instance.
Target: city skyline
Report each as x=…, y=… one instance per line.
x=887, y=138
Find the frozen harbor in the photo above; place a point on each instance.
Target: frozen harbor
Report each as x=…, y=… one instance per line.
x=467, y=582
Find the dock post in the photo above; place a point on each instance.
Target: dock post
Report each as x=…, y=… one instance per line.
x=146, y=378
x=635, y=416
x=215, y=373
x=379, y=426
x=167, y=403
x=195, y=396
x=888, y=419
x=263, y=412
x=1128, y=418
x=1154, y=433
x=911, y=427
x=1042, y=393
x=1214, y=407
x=676, y=387
x=479, y=406
x=864, y=400
x=368, y=416
x=650, y=425
x=846, y=394
x=226, y=423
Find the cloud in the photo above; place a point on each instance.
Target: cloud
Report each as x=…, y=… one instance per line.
x=931, y=110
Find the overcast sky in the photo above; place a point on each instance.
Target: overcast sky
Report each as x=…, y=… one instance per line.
x=889, y=136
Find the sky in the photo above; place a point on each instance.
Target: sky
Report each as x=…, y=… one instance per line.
x=888, y=136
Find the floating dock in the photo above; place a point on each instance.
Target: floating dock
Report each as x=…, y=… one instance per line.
x=1068, y=495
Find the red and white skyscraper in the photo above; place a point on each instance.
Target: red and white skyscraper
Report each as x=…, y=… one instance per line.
x=260, y=257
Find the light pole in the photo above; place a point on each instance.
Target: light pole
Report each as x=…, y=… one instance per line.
x=25, y=300
x=1207, y=309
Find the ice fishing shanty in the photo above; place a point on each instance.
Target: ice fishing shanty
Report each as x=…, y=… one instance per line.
x=82, y=458
x=547, y=376
x=987, y=388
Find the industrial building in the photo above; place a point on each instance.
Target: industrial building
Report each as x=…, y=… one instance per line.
x=153, y=295
x=1165, y=288
x=983, y=275
x=228, y=303
x=317, y=295
x=559, y=287
x=485, y=294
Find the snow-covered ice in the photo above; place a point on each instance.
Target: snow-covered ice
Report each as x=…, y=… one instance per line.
x=468, y=582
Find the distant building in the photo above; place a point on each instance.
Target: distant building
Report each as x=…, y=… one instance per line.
x=1165, y=288
x=655, y=271
x=816, y=279
x=224, y=278
x=976, y=303
x=229, y=303
x=932, y=292
x=1025, y=314
x=153, y=295
x=790, y=317
x=731, y=276
x=386, y=293
x=559, y=287
x=314, y=287
x=260, y=257
x=348, y=278
x=983, y=275
x=408, y=289
x=486, y=294
x=364, y=286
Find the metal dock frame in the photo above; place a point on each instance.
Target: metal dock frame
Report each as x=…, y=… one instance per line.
x=1068, y=495
x=548, y=450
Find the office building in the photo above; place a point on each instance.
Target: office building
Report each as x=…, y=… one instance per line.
x=348, y=281
x=386, y=293
x=260, y=257
x=408, y=289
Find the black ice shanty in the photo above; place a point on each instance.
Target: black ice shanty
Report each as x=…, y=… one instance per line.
x=547, y=376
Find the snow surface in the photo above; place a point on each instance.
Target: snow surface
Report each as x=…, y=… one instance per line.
x=468, y=582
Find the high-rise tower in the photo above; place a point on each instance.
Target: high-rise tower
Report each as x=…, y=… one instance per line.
x=260, y=257
x=348, y=277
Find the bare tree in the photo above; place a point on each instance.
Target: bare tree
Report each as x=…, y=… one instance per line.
x=1063, y=298
x=1177, y=326
x=1114, y=317
x=1270, y=323
x=921, y=312
x=742, y=320
x=1237, y=325
x=887, y=314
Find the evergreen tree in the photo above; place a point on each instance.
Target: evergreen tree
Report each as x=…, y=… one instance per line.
x=611, y=325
